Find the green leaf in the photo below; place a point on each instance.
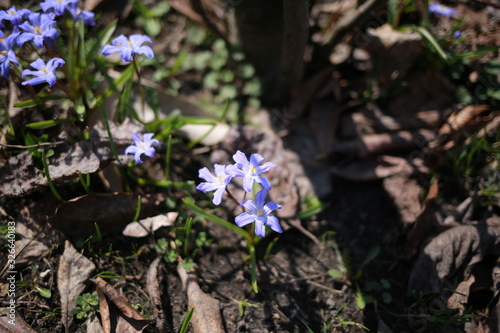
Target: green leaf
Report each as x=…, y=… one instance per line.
x=427, y=35
x=48, y=123
x=38, y=101
x=186, y=321
x=360, y=300
x=335, y=273
x=44, y=292
x=152, y=27
x=227, y=92
x=374, y=251
x=210, y=81
x=188, y=264
x=247, y=71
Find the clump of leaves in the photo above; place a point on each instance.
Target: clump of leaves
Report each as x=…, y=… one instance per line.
x=87, y=305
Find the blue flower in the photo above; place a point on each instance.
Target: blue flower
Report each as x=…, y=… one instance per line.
x=7, y=55
x=441, y=10
x=45, y=71
x=251, y=170
x=260, y=214
x=15, y=16
x=59, y=6
x=39, y=29
x=142, y=147
x=218, y=182
x=79, y=14
x=457, y=34
x=129, y=47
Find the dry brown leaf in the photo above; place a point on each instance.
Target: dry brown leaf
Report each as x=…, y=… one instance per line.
x=72, y=276
x=301, y=98
x=126, y=318
x=377, y=167
x=94, y=326
x=380, y=143
x=153, y=286
x=456, y=124
x=459, y=297
x=145, y=227
x=424, y=222
x=374, y=121
x=110, y=211
x=206, y=315
x=19, y=176
x=13, y=323
x=405, y=193
x=452, y=253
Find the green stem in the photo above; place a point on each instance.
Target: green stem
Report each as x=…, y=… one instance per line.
x=253, y=259
x=108, y=130
x=217, y=220
x=141, y=89
x=47, y=175
x=167, y=157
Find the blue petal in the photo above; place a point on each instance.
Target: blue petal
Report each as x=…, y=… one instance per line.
x=270, y=206
x=256, y=159
x=260, y=229
x=243, y=219
x=260, y=198
x=204, y=173
x=218, y=196
x=273, y=222
x=250, y=206
x=248, y=183
x=207, y=187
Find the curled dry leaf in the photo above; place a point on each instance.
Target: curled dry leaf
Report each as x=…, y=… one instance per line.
x=72, y=276
x=126, y=319
x=456, y=124
x=110, y=211
x=451, y=254
x=206, y=315
x=145, y=227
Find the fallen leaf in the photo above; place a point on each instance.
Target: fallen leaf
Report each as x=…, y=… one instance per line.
x=153, y=287
x=381, y=143
x=94, y=326
x=405, y=193
x=424, y=223
x=110, y=211
x=372, y=121
x=19, y=175
x=206, y=316
x=147, y=226
x=452, y=253
x=377, y=167
x=72, y=275
x=126, y=319
x=19, y=326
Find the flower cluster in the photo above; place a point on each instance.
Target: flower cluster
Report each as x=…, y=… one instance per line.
x=251, y=170
x=142, y=146
x=40, y=29
x=441, y=10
